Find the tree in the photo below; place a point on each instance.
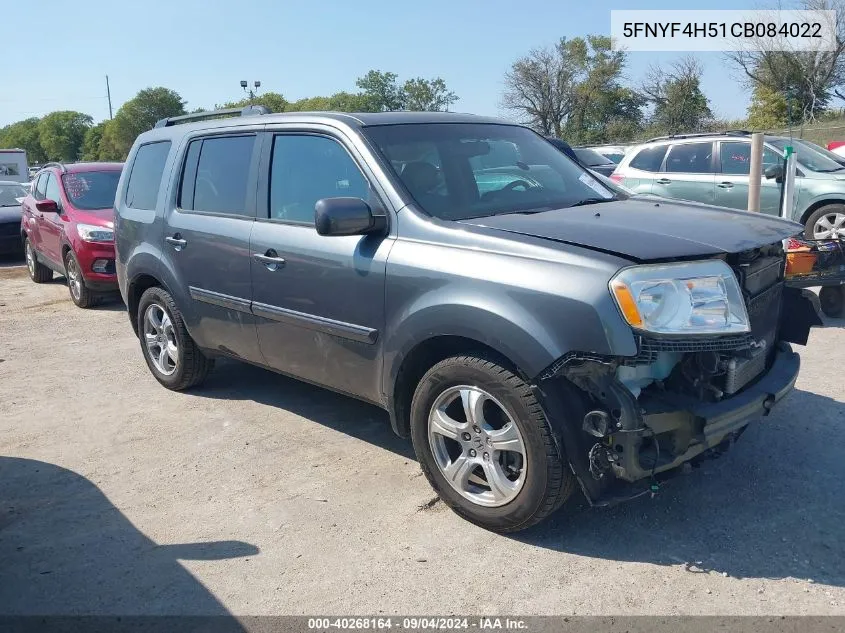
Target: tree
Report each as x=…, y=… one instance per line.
x=539, y=87
x=427, y=95
x=61, y=134
x=138, y=115
x=24, y=135
x=91, y=142
x=382, y=92
x=810, y=79
x=769, y=109
x=679, y=103
x=273, y=101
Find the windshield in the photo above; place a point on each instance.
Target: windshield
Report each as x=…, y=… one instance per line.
x=615, y=157
x=824, y=152
x=11, y=194
x=91, y=189
x=590, y=157
x=809, y=157
x=456, y=171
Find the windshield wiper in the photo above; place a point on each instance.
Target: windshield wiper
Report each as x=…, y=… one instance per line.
x=828, y=171
x=586, y=201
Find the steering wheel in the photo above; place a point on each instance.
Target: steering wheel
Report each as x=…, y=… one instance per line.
x=514, y=184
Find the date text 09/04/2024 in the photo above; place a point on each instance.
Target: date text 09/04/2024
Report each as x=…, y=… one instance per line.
x=722, y=29
x=416, y=623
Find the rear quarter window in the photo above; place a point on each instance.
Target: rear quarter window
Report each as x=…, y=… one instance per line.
x=145, y=175
x=649, y=158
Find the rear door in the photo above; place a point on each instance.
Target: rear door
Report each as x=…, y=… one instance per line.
x=732, y=179
x=688, y=173
x=319, y=299
x=206, y=240
x=639, y=173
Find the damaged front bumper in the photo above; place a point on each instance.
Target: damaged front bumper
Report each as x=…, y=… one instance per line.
x=677, y=429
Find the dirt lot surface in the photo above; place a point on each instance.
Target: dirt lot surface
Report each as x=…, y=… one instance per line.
x=257, y=494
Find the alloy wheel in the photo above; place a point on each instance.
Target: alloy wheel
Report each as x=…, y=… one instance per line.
x=30, y=259
x=830, y=227
x=477, y=446
x=160, y=339
x=74, y=278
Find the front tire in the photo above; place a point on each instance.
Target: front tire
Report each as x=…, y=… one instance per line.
x=38, y=272
x=485, y=445
x=832, y=301
x=80, y=294
x=826, y=223
x=171, y=354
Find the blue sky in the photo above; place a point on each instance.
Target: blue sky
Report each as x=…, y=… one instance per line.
x=304, y=48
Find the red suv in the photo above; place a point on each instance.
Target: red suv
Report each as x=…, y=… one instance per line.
x=68, y=227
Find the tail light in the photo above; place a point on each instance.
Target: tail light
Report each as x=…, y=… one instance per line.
x=617, y=178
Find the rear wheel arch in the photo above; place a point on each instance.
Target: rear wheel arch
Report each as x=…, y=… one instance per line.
x=136, y=289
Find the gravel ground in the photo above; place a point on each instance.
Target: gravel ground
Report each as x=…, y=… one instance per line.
x=257, y=494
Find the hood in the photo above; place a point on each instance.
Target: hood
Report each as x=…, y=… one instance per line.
x=645, y=229
x=10, y=214
x=98, y=217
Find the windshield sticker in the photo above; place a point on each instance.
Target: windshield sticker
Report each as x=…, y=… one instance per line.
x=595, y=185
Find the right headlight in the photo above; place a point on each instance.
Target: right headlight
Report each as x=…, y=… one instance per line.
x=683, y=298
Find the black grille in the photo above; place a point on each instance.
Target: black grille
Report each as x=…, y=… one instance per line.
x=650, y=347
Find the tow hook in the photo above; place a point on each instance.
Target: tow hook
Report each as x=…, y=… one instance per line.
x=768, y=403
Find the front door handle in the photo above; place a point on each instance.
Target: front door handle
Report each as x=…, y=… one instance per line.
x=270, y=259
x=176, y=242
x=725, y=185
x=663, y=181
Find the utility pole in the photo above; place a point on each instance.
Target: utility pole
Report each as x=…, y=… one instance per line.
x=251, y=93
x=108, y=94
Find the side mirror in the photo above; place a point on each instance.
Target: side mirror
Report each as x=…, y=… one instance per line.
x=47, y=206
x=346, y=216
x=775, y=171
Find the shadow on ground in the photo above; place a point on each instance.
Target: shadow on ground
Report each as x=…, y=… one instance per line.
x=770, y=508
x=66, y=550
x=232, y=380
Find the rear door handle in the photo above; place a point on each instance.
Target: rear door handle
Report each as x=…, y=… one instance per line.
x=270, y=259
x=725, y=185
x=663, y=181
x=176, y=242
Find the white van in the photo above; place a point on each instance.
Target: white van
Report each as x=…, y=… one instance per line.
x=13, y=165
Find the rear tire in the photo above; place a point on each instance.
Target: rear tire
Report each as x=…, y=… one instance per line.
x=538, y=479
x=38, y=272
x=832, y=301
x=80, y=294
x=171, y=354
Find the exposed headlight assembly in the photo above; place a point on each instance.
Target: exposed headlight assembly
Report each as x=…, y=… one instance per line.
x=684, y=298
x=92, y=233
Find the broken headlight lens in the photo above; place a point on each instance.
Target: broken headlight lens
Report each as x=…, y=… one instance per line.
x=686, y=298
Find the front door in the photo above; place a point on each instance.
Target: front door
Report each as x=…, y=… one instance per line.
x=687, y=173
x=319, y=299
x=206, y=242
x=732, y=179
x=51, y=225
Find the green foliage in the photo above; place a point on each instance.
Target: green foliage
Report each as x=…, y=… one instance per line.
x=24, y=135
x=61, y=134
x=427, y=95
x=91, y=143
x=138, y=115
x=273, y=101
x=382, y=92
x=679, y=103
x=768, y=109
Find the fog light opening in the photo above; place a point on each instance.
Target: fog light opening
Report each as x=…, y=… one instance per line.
x=101, y=265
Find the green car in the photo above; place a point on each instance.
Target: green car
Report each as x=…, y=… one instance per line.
x=713, y=168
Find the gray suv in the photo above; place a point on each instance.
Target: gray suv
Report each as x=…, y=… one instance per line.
x=713, y=168
x=529, y=328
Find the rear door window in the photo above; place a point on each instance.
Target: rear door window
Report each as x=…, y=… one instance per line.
x=145, y=177
x=649, y=158
x=216, y=178
x=690, y=158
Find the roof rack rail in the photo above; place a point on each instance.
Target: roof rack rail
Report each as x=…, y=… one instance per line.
x=53, y=164
x=250, y=110
x=699, y=135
